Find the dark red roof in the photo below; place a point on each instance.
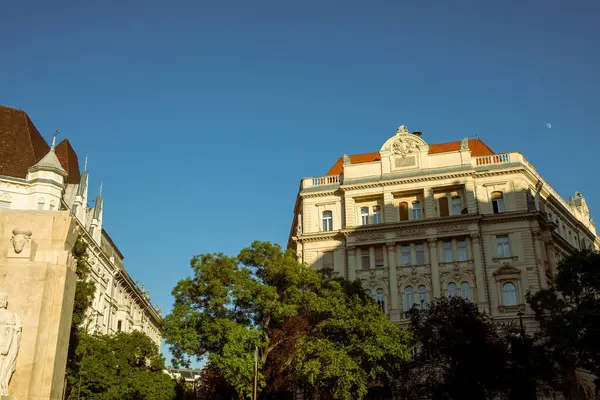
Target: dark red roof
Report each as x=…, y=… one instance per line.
x=22, y=146
x=68, y=159
x=477, y=147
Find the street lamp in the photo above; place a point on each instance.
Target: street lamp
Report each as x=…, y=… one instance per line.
x=520, y=314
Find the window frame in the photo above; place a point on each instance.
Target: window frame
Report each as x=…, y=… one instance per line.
x=420, y=248
x=380, y=299
x=402, y=252
x=408, y=292
x=459, y=248
x=415, y=213
x=504, y=245
x=469, y=289
x=453, y=203
x=327, y=220
x=364, y=218
x=451, y=292
x=498, y=203
x=504, y=292
x=447, y=251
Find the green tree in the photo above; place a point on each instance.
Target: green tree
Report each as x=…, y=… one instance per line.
x=462, y=354
x=125, y=366
x=314, y=331
x=569, y=317
x=84, y=296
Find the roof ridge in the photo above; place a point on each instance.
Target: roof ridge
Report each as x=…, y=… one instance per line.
x=25, y=117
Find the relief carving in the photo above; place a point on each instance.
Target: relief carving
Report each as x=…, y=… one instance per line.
x=410, y=232
x=452, y=228
x=10, y=341
x=370, y=236
x=403, y=147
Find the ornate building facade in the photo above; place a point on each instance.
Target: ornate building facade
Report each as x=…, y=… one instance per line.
x=37, y=177
x=417, y=220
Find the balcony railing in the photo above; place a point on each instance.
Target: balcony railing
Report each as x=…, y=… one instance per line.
x=493, y=159
x=321, y=181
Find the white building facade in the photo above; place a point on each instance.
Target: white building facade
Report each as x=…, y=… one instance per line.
x=35, y=176
x=415, y=221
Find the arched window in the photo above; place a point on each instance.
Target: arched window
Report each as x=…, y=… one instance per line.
x=380, y=299
x=451, y=289
x=403, y=211
x=327, y=220
x=422, y=291
x=376, y=214
x=465, y=291
x=497, y=202
x=509, y=294
x=408, y=298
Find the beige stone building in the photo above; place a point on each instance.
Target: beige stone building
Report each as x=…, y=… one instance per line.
x=416, y=220
x=36, y=177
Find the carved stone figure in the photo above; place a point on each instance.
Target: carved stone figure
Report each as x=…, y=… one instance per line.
x=10, y=338
x=464, y=144
x=402, y=130
x=403, y=147
x=347, y=159
x=21, y=237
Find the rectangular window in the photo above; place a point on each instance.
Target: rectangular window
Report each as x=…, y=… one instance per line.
x=416, y=210
x=328, y=259
x=119, y=325
x=379, y=257
x=364, y=215
x=462, y=250
x=448, y=257
x=420, y=250
x=443, y=202
x=456, y=205
x=327, y=219
x=365, y=262
x=376, y=215
x=405, y=255
x=503, y=246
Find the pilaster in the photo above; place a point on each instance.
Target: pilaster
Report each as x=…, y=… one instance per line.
x=435, y=269
x=479, y=275
x=351, y=273
x=392, y=274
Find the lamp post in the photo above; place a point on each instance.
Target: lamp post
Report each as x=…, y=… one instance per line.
x=520, y=314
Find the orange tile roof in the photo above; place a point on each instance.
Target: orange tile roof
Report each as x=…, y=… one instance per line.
x=68, y=159
x=477, y=147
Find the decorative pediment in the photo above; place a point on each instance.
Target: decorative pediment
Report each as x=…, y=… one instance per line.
x=507, y=272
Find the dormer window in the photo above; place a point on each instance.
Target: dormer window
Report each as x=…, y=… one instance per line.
x=497, y=202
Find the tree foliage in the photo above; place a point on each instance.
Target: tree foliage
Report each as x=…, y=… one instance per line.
x=569, y=316
x=313, y=331
x=84, y=296
x=462, y=354
x=125, y=366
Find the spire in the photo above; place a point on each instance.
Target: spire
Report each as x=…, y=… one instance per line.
x=54, y=140
x=85, y=164
x=100, y=194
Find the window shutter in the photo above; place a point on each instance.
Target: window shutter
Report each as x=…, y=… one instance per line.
x=404, y=211
x=444, y=207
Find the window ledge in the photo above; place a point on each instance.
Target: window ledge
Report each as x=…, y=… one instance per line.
x=505, y=260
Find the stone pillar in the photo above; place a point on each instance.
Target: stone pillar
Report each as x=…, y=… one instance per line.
x=391, y=247
x=429, y=206
x=351, y=263
x=479, y=275
x=40, y=282
x=435, y=271
x=372, y=257
x=550, y=256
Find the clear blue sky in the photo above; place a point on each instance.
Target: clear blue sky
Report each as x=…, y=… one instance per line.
x=201, y=117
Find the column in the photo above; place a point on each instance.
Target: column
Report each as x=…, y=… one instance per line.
x=479, y=277
x=550, y=256
x=429, y=204
x=435, y=271
x=391, y=247
x=539, y=248
x=351, y=263
x=372, y=257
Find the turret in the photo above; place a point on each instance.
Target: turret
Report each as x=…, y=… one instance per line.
x=96, y=224
x=47, y=179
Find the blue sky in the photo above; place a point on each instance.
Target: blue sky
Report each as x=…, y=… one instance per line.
x=202, y=117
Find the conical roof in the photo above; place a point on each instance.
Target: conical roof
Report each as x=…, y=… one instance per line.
x=49, y=163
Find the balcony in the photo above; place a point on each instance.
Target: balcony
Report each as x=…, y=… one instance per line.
x=491, y=160
x=321, y=181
